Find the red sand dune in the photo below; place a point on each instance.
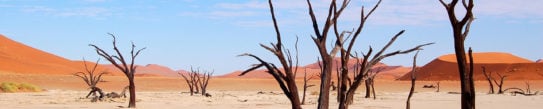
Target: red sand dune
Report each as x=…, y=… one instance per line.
x=445, y=67
x=387, y=72
x=19, y=58
x=539, y=61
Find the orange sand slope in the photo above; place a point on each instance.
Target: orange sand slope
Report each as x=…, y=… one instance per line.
x=387, y=72
x=445, y=67
x=19, y=58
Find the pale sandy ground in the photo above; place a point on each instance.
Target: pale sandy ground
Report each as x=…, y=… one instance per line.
x=66, y=92
x=57, y=99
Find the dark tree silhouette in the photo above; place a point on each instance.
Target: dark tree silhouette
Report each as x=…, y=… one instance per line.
x=191, y=80
x=346, y=85
x=91, y=79
x=500, y=84
x=204, y=81
x=120, y=62
x=489, y=79
x=197, y=81
x=413, y=80
x=306, y=85
x=461, y=29
x=370, y=83
x=286, y=77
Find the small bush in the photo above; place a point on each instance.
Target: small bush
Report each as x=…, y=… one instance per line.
x=12, y=87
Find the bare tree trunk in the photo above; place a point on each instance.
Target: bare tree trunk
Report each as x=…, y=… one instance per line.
x=460, y=32
x=368, y=89
x=413, y=80
x=189, y=82
x=204, y=82
x=373, y=89
x=489, y=79
x=305, y=88
x=132, y=89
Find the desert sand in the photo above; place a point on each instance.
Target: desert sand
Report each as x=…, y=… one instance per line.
x=161, y=87
x=65, y=91
x=56, y=99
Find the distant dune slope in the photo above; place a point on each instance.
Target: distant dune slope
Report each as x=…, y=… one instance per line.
x=387, y=72
x=19, y=58
x=517, y=68
x=16, y=57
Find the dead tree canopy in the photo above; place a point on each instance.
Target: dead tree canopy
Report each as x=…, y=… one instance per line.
x=306, y=80
x=489, y=79
x=197, y=81
x=285, y=77
x=92, y=79
x=500, y=84
x=126, y=66
x=191, y=79
x=344, y=45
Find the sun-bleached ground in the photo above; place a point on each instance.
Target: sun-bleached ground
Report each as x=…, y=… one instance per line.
x=65, y=91
x=56, y=99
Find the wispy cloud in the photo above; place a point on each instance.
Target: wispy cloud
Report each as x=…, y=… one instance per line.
x=92, y=12
x=390, y=12
x=512, y=9
x=233, y=14
x=246, y=5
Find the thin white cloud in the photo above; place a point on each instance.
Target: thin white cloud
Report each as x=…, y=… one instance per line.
x=233, y=13
x=392, y=12
x=246, y=5
x=38, y=9
x=514, y=9
x=86, y=12
x=93, y=12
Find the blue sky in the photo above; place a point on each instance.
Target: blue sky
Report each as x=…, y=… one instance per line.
x=210, y=33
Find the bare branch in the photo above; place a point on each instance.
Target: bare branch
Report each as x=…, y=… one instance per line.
x=314, y=21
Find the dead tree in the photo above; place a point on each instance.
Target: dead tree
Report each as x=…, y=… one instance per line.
x=489, y=79
x=204, y=81
x=321, y=40
x=347, y=88
x=413, y=79
x=191, y=81
x=286, y=77
x=437, y=87
x=306, y=85
x=120, y=62
x=91, y=79
x=370, y=83
x=461, y=29
x=526, y=92
x=500, y=84
x=117, y=95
